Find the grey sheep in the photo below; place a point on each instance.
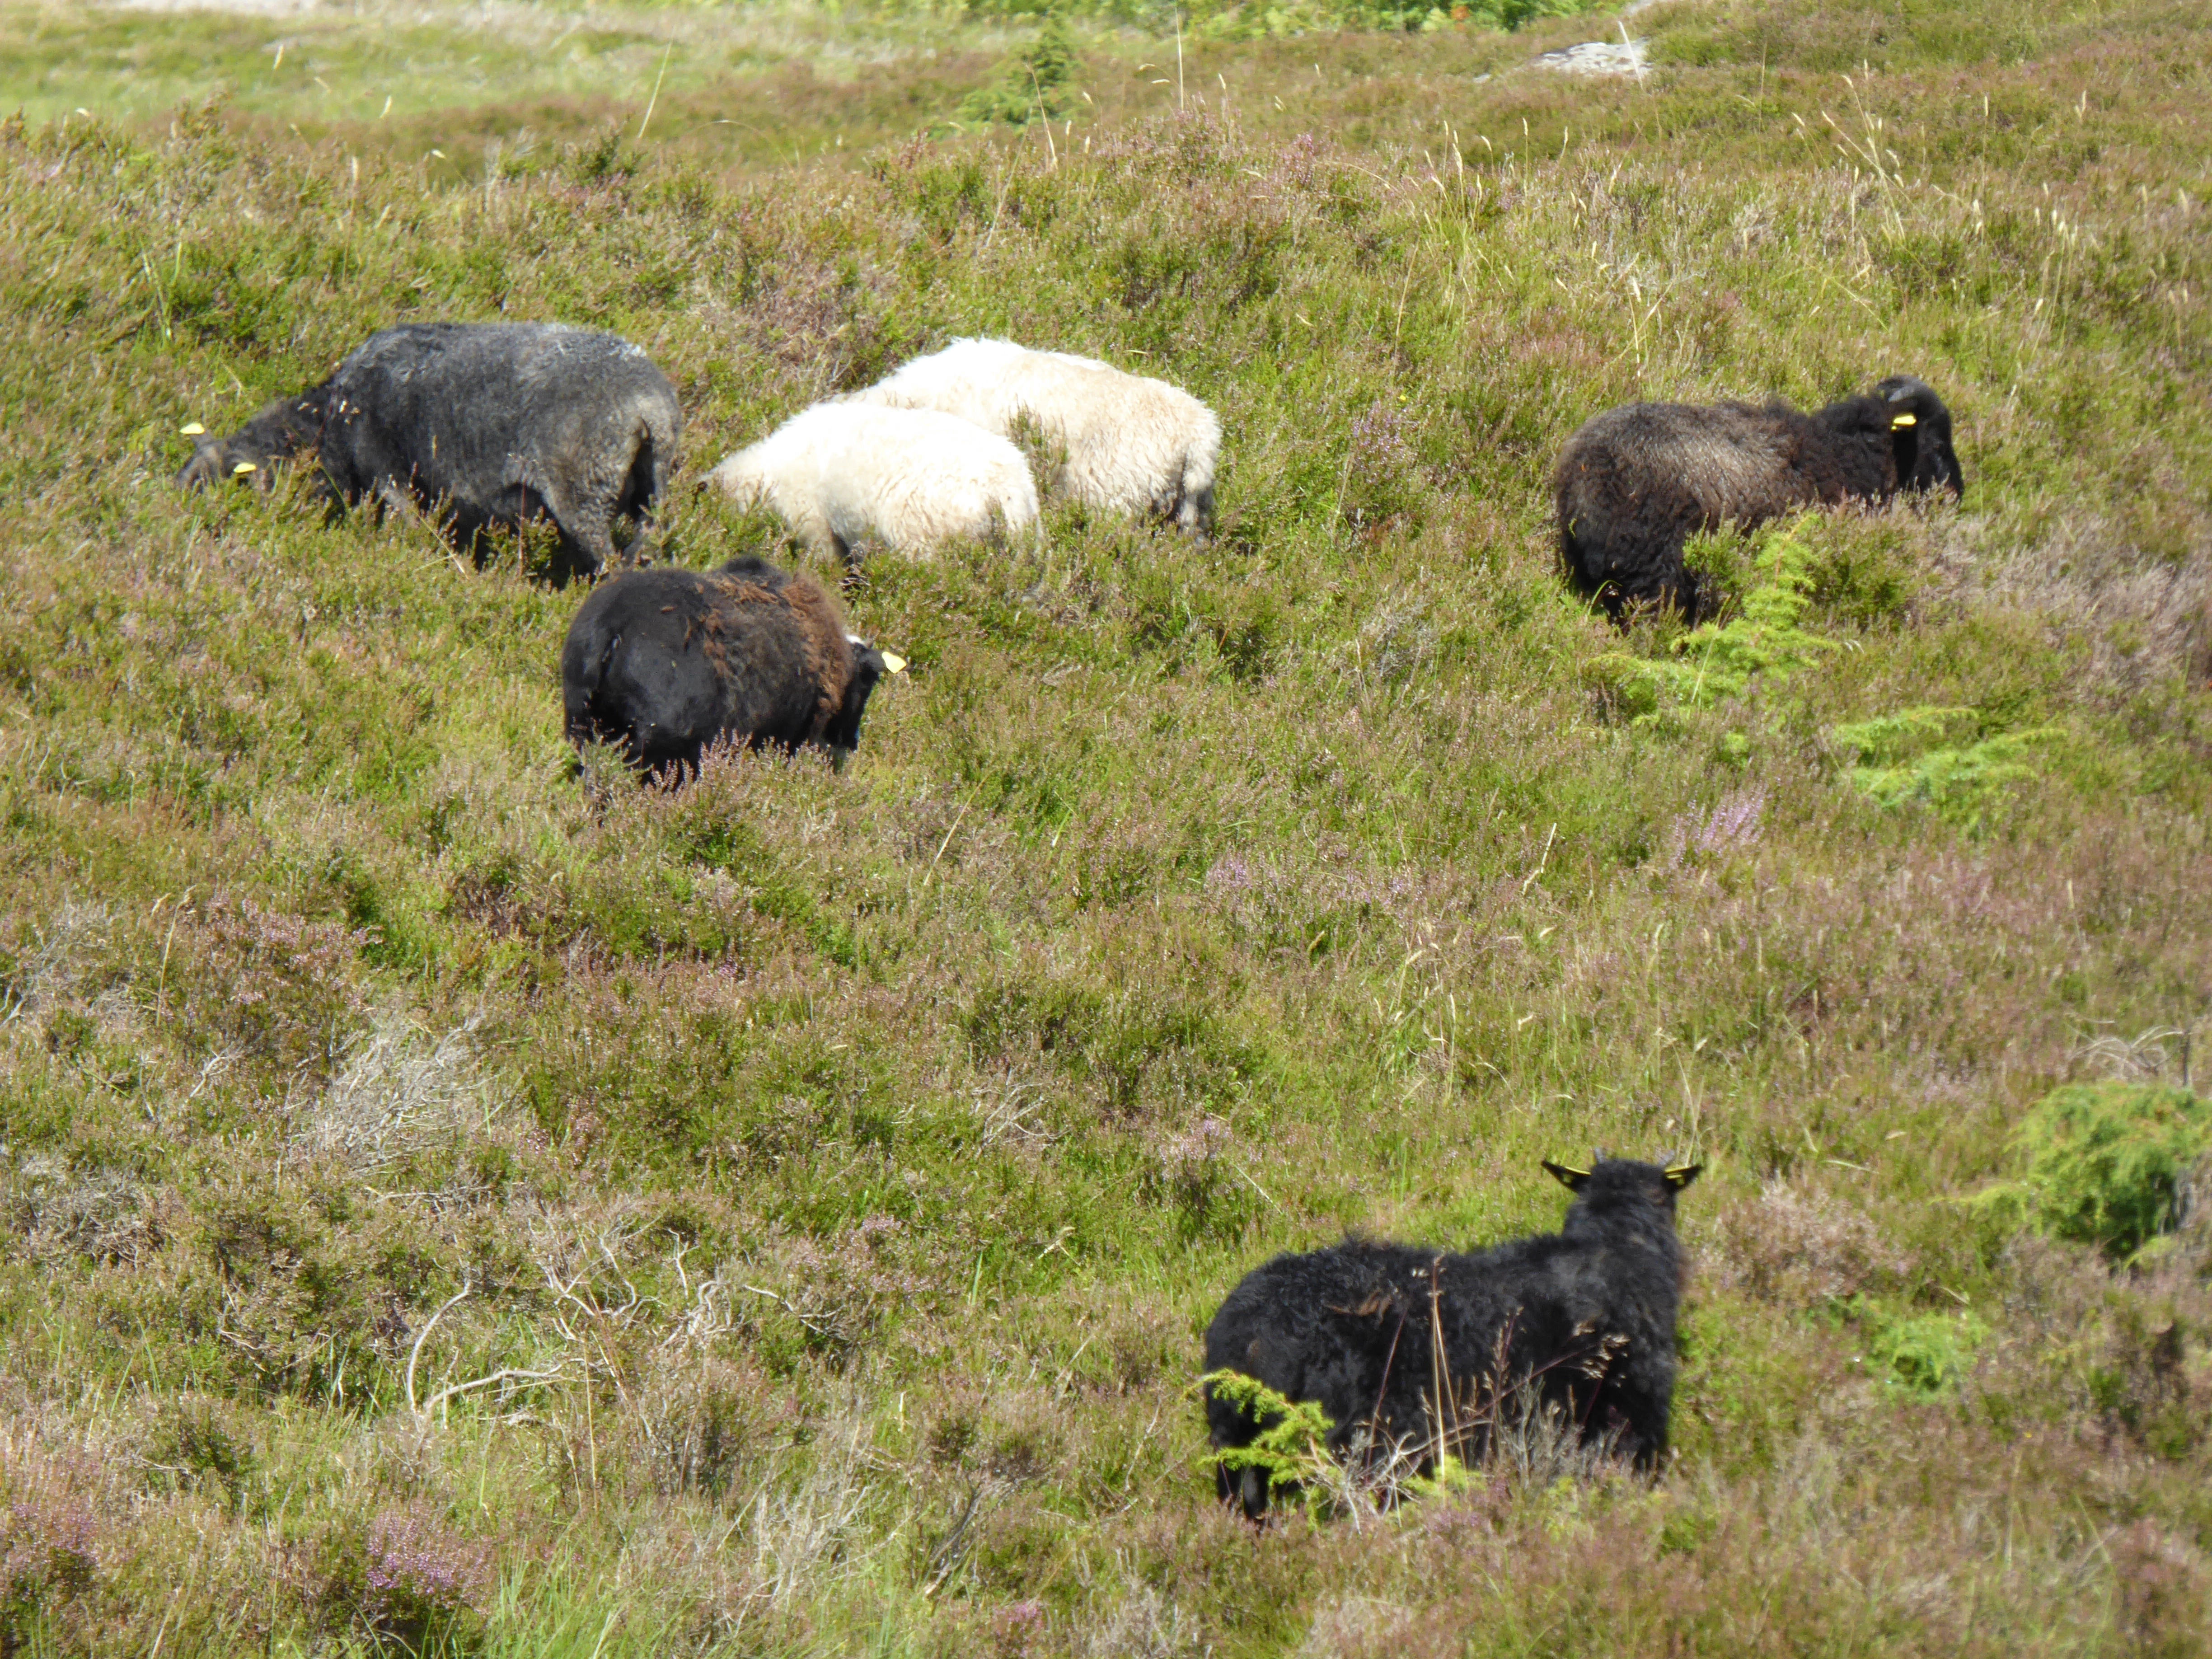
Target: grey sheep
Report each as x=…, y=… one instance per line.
x=481, y=424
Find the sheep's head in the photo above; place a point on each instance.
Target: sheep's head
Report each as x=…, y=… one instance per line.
x=869, y=666
x=277, y=434
x=216, y=459
x=1920, y=436
x=740, y=477
x=1613, y=1183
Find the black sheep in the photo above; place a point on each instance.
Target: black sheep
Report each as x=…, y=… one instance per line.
x=666, y=662
x=1637, y=482
x=1583, y=1318
x=483, y=424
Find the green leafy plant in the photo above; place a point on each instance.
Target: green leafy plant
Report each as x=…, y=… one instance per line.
x=2105, y=1165
x=1721, y=660
x=1926, y=1356
x=1902, y=759
x=1292, y=1445
x=1030, y=86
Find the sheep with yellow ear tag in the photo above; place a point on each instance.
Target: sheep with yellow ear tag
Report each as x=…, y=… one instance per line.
x=1634, y=484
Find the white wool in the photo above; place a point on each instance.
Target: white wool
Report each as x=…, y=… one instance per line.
x=840, y=473
x=1130, y=444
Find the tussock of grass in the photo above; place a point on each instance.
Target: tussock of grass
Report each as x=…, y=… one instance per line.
x=841, y=1167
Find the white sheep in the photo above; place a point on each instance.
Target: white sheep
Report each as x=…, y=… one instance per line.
x=1130, y=444
x=912, y=478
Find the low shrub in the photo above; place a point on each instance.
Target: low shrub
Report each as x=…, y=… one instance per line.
x=1291, y=1451
x=1721, y=660
x=1902, y=760
x=2105, y=1164
x=1925, y=1355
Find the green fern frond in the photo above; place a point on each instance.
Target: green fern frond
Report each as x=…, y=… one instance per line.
x=1719, y=660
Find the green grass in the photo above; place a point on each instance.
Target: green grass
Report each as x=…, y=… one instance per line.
x=841, y=1168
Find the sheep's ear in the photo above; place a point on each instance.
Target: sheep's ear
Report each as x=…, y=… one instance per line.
x=1897, y=421
x=1679, y=1176
x=1567, y=1175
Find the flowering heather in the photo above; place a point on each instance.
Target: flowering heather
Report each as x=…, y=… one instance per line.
x=1731, y=826
x=47, y=1553
x=415, y=1569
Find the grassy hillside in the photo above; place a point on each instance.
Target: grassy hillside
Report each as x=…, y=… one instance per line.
x=458, y=1201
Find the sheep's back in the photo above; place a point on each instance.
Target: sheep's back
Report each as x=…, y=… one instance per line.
x=1125, y=440
x=918, y=477
x=780, y=653
x=469, y=408
x=1320, y=1326
x=1661, y=463
x=1130, y=440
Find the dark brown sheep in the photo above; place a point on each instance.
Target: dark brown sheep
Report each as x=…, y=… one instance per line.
x=1636, y=482
x=667, y=662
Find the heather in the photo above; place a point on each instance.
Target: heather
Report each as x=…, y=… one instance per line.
x=458, y=1200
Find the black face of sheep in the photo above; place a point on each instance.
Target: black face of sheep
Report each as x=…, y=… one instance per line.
x=247, y=456
x=869, y=666
x=1920, y=437
x=1634, y=484
x=667, y=663
x=1580, y=1322
x=482, y=425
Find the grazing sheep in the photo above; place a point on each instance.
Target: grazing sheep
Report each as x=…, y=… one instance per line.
x=666, y=662
x=1637, y=482
x=911, y=478
x=1584, y=1318
x=482, y=424
x=1132, y=444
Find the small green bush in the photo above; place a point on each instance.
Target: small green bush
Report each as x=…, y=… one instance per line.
x=1902, y=760
x=1292, y=1446
x=1925, y=1356
x=2104, y=1164
x=1725, y=562
x=1032, y=85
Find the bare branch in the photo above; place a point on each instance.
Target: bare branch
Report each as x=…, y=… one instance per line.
x=424, y=1335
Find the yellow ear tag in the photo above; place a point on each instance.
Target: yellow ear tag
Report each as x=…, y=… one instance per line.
x=193, y=430
x=1897, y=421
x=242, y=469
x=893, y=663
